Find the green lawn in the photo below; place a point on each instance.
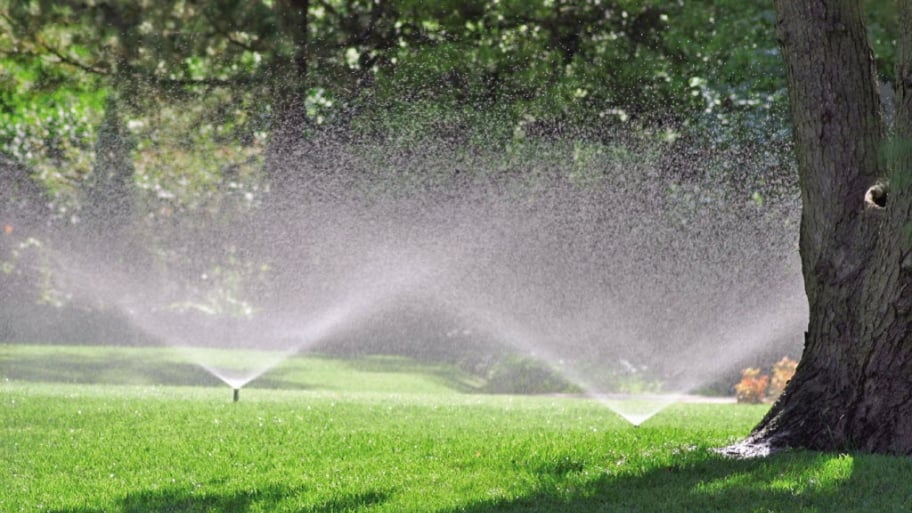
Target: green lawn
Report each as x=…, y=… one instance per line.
x=401, y=437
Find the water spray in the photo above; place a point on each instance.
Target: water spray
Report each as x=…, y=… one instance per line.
x=584, y=271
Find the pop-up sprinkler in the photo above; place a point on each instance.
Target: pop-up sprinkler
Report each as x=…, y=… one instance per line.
x=237, y=394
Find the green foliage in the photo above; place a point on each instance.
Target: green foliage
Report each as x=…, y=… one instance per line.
x=203, y=77
x=561, y=61
x=883, y=26
x=50, y=131
x=520, y=375
x=896, y=154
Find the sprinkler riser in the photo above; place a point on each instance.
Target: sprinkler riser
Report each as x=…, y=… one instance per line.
x=237, y=394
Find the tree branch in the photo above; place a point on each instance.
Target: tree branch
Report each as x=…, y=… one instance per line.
x=329, y=8
x=136, y=75
x=222, y=31
x=207, y=82
x=65, y=59
x=376, y=14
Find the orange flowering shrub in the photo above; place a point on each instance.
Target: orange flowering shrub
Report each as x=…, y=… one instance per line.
x=752, y=387
x=783, y=370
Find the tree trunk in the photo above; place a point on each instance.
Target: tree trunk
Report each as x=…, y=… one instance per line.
x=23, y=204
x=853, y=387
x=109, y=195
x=289, y=89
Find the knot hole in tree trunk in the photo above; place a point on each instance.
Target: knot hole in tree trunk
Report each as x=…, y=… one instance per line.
x=876, y=196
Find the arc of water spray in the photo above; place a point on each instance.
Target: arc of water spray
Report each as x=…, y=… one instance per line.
x=357, y=305
x=635, y=409
x=112, y=289
x=776, y=320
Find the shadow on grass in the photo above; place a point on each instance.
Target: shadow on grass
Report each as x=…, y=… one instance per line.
x=789, y=482
x=104, y=368
x=116, y=368
x=266, y=499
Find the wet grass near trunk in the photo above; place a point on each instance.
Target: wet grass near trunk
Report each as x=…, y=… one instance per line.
x=130, y=448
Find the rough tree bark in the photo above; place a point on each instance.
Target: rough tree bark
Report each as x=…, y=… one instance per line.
x=853, y=387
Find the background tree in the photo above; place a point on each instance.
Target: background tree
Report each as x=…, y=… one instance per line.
x=289, y=92
x=225, y=100
x=109, y=193
x=853, y=387
x=249, y=68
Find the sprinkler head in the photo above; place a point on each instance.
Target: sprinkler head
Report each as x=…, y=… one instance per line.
x=237, y=394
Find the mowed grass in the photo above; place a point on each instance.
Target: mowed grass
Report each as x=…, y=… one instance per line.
x=78, y=446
